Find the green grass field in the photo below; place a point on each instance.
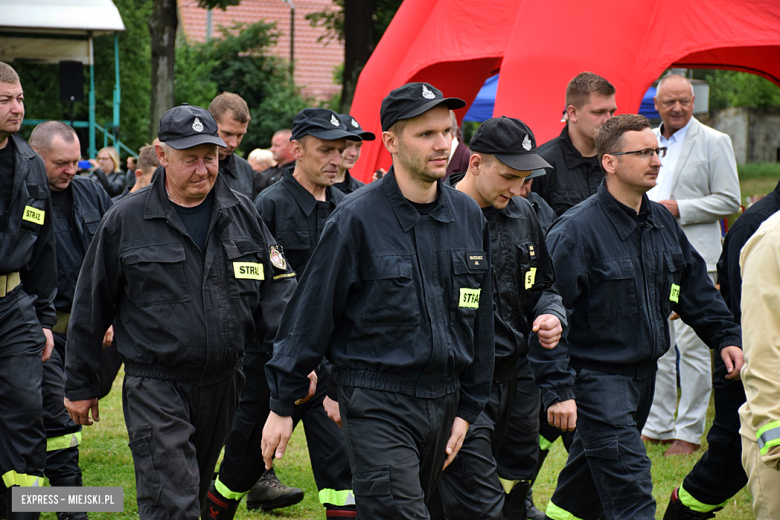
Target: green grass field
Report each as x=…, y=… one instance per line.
x=106, y=459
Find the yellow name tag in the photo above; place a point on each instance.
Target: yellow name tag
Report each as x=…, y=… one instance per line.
x=33, y=215
x=530, y=277
x=248, y=270
x=674, y=295
x=469, y=298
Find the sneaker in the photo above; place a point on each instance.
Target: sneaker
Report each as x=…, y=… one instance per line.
x=269, y=493
x=676, y=510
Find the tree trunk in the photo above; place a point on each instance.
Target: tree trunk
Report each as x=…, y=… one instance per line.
x=358, y=45
x=162, y=28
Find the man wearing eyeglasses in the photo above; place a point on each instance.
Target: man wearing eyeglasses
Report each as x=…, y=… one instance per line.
x=698, y=184
x=622, y=265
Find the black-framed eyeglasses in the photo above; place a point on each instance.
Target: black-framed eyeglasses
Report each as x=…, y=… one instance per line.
x=647, y=153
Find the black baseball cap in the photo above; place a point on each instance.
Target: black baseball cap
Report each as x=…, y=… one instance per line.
x=187, y=126
x=512, y=142
x=354, y=127
x=411, y=100
x=321, y=123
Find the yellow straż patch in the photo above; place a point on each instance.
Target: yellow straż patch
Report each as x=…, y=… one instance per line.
x=34, y=215
x=530, y=277
x=469, y=298
x=248, y=270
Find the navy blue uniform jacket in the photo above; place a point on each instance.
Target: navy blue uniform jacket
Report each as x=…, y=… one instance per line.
x=397, y=301
x=620, y=279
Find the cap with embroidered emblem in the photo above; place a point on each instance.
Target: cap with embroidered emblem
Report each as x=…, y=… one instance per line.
x=511, y=142
x=187, y=126
x=354, y=127
x=321, y=123
x=411, y=100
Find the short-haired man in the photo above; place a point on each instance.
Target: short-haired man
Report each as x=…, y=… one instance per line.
x=590, y=101
x=232, y=116
x=398, y=295
x=28, y=284
x=760, y=415
x=295, y=210
x=698, y=184
x=191, y=278
x=148, y=162
x=622, y=265
x=526, y=309
x=78, y=206
x=459, y=152
x=280, y=147
x=260, y=160
x=345, y=182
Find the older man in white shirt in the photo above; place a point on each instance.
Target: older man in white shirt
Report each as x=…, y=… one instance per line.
x=698, y=184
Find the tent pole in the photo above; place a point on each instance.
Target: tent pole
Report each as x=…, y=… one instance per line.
x=117, y=92
x=91, y=151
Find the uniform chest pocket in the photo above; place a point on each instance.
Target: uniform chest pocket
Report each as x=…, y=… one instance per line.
x=468, y=268
x=245, y=268
x=389, y=298
x=296, y=244
x=33, y=213
x=527, y=262
x=674, y=262
x=613, y=293
x=155, y=275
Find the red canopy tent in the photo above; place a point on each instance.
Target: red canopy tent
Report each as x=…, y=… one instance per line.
x=540, y=45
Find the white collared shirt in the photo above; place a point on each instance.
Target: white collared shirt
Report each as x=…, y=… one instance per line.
x=663, y=187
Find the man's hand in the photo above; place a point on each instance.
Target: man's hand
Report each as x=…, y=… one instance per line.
x=548, y=328
x=79, y=410
x=375, y=177
x=108, y=338
x=733, y=358
x=312, y=388
x=671, y=205
x=674, y=316
x=276, y=435
x=332, y=409
x=563, y=415
x=458, y=433
x=48, y=346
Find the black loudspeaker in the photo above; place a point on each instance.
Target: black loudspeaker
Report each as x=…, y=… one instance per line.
x=71, y=81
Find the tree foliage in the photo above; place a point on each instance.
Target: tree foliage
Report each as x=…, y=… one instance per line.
x=730, y=88
x=240, y=62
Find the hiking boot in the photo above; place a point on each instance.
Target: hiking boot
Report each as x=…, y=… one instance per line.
x=676, y=510
x=72, y=516
x=268, y=493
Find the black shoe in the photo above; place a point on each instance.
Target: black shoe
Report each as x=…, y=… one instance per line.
x=72, y=516
x=218, y=507
x=530, y=509
x=268, y=493
x=676, y=510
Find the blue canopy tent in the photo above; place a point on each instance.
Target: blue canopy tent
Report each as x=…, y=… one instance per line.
x=482, y=108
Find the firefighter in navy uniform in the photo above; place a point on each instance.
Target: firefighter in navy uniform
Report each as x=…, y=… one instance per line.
x=78, y=205
x=191, y=278
x=526, y=309
x=398, y=296
x=28, y=284
x=231, y=113
x=622, y=266
x=295, y=210
x=345, y=182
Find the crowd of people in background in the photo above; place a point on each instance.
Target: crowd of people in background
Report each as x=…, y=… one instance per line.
x=435, y=330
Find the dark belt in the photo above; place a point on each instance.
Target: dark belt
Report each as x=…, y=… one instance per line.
x=9, y=282
x=637, y=370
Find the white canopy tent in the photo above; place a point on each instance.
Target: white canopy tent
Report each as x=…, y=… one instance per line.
x=50, y=31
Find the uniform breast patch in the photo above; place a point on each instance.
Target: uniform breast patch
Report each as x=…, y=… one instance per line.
x=248, y=270
x=469, y=298
x=476, y=260
x=674, y=294
x=530, y=277
x=34, y=215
